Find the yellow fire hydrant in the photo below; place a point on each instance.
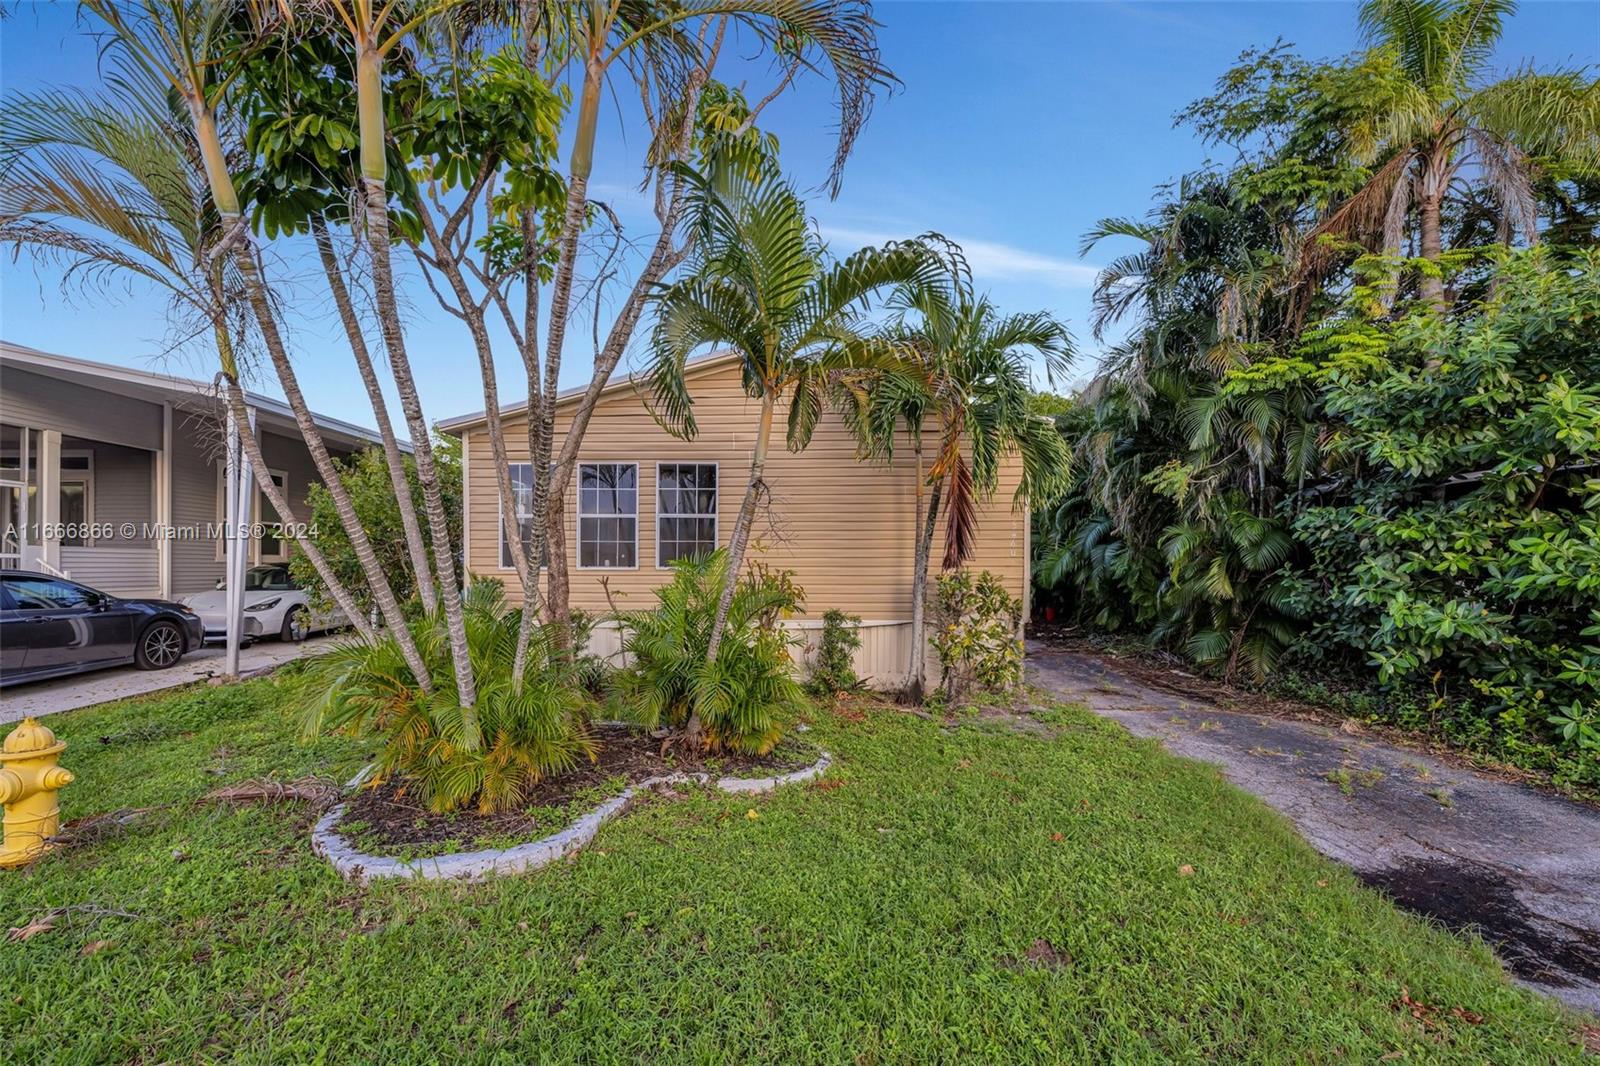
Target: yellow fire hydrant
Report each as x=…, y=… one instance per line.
x=29, y=780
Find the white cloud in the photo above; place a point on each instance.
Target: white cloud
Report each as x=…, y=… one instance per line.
x=990, y=260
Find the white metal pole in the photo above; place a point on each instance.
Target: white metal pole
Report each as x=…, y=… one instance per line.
x=231, y=548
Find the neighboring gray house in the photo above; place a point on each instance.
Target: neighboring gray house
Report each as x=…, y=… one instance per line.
x=113, y=476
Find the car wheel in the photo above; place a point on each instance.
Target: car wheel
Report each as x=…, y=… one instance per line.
x=160, y=646
x=296, y=627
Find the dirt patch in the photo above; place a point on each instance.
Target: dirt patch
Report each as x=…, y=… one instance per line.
x=389, y=819
x=1040, y=954
x=1469, y=897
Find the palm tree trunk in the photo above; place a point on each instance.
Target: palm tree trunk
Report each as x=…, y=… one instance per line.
x=1432, y=248
x=422, y=446
x=226, y=198
x=736, y=547
x=919, y=586
x=415, y=545
x=582, y=162
x=1434, y=182
x=369, y=102
x=360, y=543
x=741, y=527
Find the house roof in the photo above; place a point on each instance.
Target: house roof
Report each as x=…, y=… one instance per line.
x=158, y=387
x=616, y=384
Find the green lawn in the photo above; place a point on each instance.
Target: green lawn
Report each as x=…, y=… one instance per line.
x=888, y=918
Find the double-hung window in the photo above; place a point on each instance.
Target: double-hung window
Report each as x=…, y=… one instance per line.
x=522, y=489
x=608, y=515
x=686, y=511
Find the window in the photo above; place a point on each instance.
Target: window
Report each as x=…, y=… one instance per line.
x=46, y=594
x=77, y=497
x=522, y=489
x=271, y=547
x=268, y=579
x=608, y=515
x=686, y=511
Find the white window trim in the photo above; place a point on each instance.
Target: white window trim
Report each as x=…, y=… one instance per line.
x=579, y=516
x=716, y=516
x=258, y=513
x=258, y=501
x=501, y=545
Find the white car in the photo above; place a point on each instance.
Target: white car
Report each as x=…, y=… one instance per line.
x=274, y=606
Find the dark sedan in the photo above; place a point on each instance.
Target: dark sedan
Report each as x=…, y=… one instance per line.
x=50, y=627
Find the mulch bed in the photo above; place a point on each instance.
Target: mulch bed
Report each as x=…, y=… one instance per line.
x=389, y=819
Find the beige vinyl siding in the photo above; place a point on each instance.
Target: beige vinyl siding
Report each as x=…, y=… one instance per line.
x=846, y=528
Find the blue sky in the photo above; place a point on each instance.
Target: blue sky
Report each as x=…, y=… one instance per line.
x=1018, y=126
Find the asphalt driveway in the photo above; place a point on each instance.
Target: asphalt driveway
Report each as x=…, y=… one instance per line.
x=84, y=690
x=1473, y=851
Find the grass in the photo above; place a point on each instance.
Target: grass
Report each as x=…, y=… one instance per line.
x=946, y=893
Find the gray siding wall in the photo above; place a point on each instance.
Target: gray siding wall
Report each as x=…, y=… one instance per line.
x=31, y=399
x=123, y=486
x=290, y=456
x=196, y=451
x=196, y=456
x=122, y=571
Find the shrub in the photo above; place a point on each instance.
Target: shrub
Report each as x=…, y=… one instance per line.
x=366, y=478
x=590, y=671
x=975, y=631
x=488, y=755
x=834, y=670
x=742, y=698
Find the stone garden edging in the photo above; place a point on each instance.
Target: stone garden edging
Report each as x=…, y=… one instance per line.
x=357, y=865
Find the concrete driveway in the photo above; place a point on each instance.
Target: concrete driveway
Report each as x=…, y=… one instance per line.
x=1471, y=850
x=40, y=698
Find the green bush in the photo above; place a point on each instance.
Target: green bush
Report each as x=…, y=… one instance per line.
x=366, y=478
x=488, y=755
x=744, y=697
x=975, y=630
x=835, y=669
x=1464, y=561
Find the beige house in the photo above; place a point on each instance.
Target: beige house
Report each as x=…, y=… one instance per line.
x=642, y=497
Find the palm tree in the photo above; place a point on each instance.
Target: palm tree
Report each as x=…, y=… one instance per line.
x=1184, y=453
x=762, y=286
x=1434, y=116
x=110, y=190
x=964, y=372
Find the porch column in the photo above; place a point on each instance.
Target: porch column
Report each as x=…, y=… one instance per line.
x=49, y=482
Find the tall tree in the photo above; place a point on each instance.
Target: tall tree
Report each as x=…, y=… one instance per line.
x=762, y=285
x=668, y=51
x=376, y=30
x=1434, y=123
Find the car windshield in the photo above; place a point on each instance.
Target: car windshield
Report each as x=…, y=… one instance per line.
x=267, y=579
